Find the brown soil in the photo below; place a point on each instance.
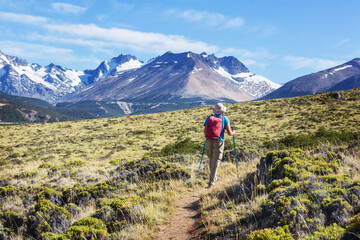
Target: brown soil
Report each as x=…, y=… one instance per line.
x=184, y=220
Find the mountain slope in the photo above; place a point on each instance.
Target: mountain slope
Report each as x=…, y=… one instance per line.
x=349, y=83
x=322, y=81
x=15, y=109
x=180, y=77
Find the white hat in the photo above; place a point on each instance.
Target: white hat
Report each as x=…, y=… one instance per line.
x=219, y=108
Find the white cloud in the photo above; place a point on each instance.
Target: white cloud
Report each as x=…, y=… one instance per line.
x=93, y=35
x=205, y=17
x=67, y=8
x=235, y=22
x=30, y=50
x=41, y=53
x=139, y=41
x=22, y=18
x=313, y=63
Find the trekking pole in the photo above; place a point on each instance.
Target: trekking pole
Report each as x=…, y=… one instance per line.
x=237, y=167
x=202, y=155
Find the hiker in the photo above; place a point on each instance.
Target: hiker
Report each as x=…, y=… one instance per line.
x=215, y=126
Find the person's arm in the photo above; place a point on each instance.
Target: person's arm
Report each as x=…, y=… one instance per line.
x=229, y=130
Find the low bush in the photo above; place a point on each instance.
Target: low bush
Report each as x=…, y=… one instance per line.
x=306, y=195
x=313, y=140
x=150, y=170
x=48, y=217
x=182, y=146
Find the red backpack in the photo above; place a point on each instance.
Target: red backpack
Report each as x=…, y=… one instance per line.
x=213, y=127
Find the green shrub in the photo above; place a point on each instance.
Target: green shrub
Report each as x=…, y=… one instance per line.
x=119, y=212
x=332, y=232
x=150, y=170
x=270, y=234
x=306, y=195
x=182, y=146
x=87, y=228
x=354, y=226
x=48, y=217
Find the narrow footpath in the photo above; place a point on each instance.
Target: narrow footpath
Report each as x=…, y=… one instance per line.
x=184, y=220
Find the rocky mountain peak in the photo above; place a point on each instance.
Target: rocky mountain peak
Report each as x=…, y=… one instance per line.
x=123, y=58
x=6, y=59
x=52, y=68
x=355, y=62
x=233, y=65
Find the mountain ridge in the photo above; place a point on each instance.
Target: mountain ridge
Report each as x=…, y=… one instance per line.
x=18, y=77
x=322, y=81
x=184, y=75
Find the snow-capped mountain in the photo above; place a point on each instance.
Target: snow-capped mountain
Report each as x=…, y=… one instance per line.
x=114, y=66
x=17, y=77
x=342, y=77
x=180, y=77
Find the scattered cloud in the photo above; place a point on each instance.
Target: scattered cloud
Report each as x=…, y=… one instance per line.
x=43, y=53
x=341, y=42
x=67, y=8
x=235, y=22
x=208, y=18
x=313, y=63
x=139, y=41
x=22, y=18
x=27, y=49
x=94, y=35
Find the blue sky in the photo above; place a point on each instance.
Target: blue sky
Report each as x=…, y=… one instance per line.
x=278, y=39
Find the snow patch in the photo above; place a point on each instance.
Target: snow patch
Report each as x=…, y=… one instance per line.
x=35, y=76
x=126, y=107
x=155, y=106
x=5, y=59
x=339, y=69
x=248, y=77
x=132, y=64
x=131, y=79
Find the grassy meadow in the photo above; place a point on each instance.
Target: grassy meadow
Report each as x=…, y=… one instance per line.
x=118, y=178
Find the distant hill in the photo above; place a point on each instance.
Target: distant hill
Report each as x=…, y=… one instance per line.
x=15, y=109
x=342, y=77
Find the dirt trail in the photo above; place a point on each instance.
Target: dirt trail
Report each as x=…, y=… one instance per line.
x=184, y=219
